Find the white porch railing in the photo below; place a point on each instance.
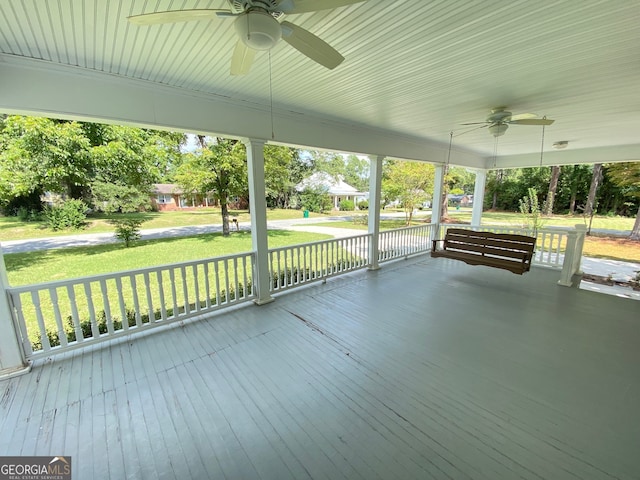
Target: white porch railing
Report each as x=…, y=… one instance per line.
x=402, y=242
x=296, y=265
x=57, y=316
x=54, y=317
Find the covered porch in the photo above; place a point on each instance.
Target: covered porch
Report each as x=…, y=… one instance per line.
x=426, y=368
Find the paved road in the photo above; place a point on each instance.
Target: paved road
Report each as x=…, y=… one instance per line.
x=89, y=239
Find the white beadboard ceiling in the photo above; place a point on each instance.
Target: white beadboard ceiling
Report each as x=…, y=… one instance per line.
x=414, y=67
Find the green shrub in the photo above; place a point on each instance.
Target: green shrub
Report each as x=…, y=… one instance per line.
x=360, y=219
x=315, y=200
x=347, y=205
x=127, y=230
x=363, y=205
x=531, y=211
x=111, y=198
x=101, y=320
x=69, y=214
x=25, y=214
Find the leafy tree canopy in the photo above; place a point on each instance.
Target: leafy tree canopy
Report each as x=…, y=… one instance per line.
x=40, y=154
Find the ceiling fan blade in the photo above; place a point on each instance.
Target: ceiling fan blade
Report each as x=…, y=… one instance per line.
x=173, y=16
x=532, y=121
x=522, y=116
x=313, y=47
x=242, y=59
x=303, y=6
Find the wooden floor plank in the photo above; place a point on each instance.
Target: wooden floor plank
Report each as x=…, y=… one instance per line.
x=155, y=451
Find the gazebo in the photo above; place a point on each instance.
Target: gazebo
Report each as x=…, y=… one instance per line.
x=372, y=366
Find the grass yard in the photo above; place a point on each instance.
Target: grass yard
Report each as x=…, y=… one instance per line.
x=508, y=218
x=58, y=264
x=597, y=246
x=384, y=224
x=11, y=228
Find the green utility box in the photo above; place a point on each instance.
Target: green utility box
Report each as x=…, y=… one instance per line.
x=305, y=213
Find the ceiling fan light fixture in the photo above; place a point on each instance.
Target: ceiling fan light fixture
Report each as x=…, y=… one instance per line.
x=258, y=30
x=498, y=129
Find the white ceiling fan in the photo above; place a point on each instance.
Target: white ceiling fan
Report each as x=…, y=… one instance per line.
x=499, y=120
x=257, y=26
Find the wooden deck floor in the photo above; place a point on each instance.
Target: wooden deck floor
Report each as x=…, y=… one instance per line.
x=427, y=368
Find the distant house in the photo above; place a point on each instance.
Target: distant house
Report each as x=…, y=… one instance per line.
x=166, y=196
x=462, y=200
x=337, y=189
x=169, y=196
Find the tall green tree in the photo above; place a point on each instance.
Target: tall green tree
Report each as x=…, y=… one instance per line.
x=408, y=181
x=284, y=169
x=40, y=154
x=596, y=180
x=81, y=160
x=356, y=172
x=328, y=162
x=627, y=176
x=219, y=166
x=553, y=188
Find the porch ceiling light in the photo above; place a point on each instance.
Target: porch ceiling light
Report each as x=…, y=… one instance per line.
x=258, y=30
x=498, y=129
x=560, y=145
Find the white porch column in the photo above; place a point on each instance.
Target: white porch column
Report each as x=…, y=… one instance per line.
x=258, y=207
x=375, y=182
x=572, y=264
x=12, y=360
x=436, y=202
x=478, y=197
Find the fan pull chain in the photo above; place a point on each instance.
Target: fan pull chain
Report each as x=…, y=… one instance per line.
x=495, y=151
x=273, y=135
x=542, y=142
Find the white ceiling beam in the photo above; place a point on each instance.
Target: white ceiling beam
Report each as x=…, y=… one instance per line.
x=33, y=87
x=612, y=154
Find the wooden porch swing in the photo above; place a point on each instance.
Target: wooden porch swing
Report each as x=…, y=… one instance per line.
x=498, y=250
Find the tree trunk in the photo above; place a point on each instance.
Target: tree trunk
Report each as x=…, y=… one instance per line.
x=635, y=232
x=589, y=209
x=574, y=191
x=553, y=186
x=499, y=177
x=225, y=217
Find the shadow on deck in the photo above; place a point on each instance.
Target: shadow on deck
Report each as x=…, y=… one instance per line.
x=426, y=368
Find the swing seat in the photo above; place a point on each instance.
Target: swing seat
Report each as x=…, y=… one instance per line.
x=497, y=250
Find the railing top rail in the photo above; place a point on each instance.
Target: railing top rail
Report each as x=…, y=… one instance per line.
x=411, y=227
x=318, y=242
x=122, y=273
x=550, y=229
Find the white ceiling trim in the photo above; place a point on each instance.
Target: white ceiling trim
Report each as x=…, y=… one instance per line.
x=613, y=154
x=34, y=87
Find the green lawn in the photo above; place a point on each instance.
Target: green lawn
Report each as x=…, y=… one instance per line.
x=11, y=228
x=384, y=224
x=57, y=264
x=596, y=246
x=508, y=218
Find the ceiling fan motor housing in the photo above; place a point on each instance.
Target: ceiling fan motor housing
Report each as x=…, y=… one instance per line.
x=258, y=30
x=498, y=129
x=499, y=115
